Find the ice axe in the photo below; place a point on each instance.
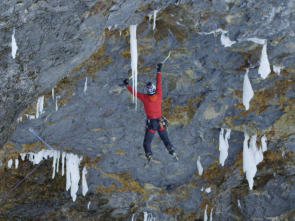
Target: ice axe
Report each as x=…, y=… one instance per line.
x=166, y=58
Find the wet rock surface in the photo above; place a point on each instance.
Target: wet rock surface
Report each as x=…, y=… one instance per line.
x=65, y=46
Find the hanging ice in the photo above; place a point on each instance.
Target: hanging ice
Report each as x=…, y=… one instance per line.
x=10, y=162
x=264, y=68
x=223, y=145
x=40, y=105
x=247, y=91
x=211, y=215
x=16, y=163
x=84, y=182
x=88, y=206
x=13, y=45
x=73, y=162
x=205, y=214
x=148, y=217
x=263, y=143
x=85, y=85
x=200, y=168
x=72, y=167
x=252, y=156
x=52, y=92
x=19, y=120
x=155, y=18
x=63, y=163
x=277, y=69
x=134, y=59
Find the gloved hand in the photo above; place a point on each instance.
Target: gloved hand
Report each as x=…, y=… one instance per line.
x=126, y=82
x=159, y=67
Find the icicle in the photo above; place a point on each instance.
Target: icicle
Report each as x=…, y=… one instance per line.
x=57, y=161
x=13, y=45
x=88, y=206
x=148, y=217
x=239, y=204
x=134, y=59
x=155, y=18
x=10, y=162
x=200, y=168
x=16, y=163
x=132, y=217
x=52, y=92
x=247, y=91
x=19, y=120
x=211, y=215
x=23, y=156
x=84, y=182
x=40, y=104
x=73, y=175
x=264, y=68
x=54, y=163
x=56, y=105
x=223, y=145
x=263, y=143
x=63, y=163
x=85, y=86
x=205, y=213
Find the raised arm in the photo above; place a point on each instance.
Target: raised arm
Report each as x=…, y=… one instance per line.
x=137, y=94
x=159, y=85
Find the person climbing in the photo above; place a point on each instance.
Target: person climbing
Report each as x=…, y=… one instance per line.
x=152, y=102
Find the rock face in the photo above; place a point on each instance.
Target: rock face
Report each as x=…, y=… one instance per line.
x=74, y=55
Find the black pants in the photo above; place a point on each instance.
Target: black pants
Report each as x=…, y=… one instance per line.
x=154, y=125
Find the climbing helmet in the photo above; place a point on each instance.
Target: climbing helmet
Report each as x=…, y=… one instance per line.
x=150, y=88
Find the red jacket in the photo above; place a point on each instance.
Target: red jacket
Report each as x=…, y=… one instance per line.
x=152, y=103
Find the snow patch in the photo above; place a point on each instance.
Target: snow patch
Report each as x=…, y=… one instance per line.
x=247, y=91
x=224, y=38
x=19, y=120
x=223, y=145
x=208, y=190
x=13, y=45
x=200, y=168
x=31, y=117
x=134, y=60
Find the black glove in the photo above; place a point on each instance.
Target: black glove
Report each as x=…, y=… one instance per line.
x=126, y=82
x=159, y=67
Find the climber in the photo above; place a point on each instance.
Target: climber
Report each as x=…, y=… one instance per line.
x=155, y=121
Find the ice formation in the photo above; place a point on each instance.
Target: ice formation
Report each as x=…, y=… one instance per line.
x=134, y=59
x=252, y=156
x=200, y=168
x=10, y=162
x=264, y=68
x=40, y=105
x=208, y=190
x=224, y=39
x=13, y=45
x=155, y=18
x=205, y=213
x=211, y=215
x=247, y=91
x=148, y=217
x=277, y=69
x=85, y=85
x=16, y=162
x=52, y=92
x=223, y=145
x=88, y=205
x=84, y=182
x=72, y=167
